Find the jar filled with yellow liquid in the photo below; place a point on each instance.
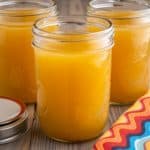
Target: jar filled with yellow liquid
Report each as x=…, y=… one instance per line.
x=17, y=69
x=73, y=65
x=131, y=53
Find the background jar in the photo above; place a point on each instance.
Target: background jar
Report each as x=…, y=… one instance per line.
x=73, y=64
x=17, y=70
x=131, y=53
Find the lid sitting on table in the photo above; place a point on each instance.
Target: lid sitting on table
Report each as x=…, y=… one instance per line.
x=13, y=119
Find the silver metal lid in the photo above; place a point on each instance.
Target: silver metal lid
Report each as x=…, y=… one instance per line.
x=13, y=119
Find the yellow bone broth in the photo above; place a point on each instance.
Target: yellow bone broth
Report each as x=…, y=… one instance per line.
x=73, y=83
x=131, y=53
x=130, y=67
x=17, y=70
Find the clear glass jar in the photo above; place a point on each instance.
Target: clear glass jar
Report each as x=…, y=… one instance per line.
x=17, y=70
x=131, y=53
x=73, y=63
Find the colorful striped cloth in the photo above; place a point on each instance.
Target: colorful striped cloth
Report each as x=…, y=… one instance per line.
x=131, y=131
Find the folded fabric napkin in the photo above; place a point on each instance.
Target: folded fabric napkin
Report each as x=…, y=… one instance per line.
x=131, y=131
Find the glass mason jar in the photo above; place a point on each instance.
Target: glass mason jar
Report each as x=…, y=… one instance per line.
x=131, y=53
x=17, y=70
x=73, y=65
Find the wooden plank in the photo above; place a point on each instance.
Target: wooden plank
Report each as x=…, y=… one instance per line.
x=71, y=7
x=85, y=4
x=115, y=112
x=76, y=8
x=63, y=7
x=139, y=1
x=24, y=142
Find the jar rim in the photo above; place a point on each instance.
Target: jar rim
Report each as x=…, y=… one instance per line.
x=43, y=7
x=125, y=10
x=38, y=31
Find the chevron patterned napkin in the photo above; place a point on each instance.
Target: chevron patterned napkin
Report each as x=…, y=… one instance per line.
x=131, y=131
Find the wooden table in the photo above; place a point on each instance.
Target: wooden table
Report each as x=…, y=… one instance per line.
x=34, y=139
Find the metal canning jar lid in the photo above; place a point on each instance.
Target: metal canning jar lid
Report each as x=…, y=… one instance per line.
x=13, y=119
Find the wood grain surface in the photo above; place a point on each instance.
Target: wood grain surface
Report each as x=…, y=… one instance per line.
x=34, y=139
